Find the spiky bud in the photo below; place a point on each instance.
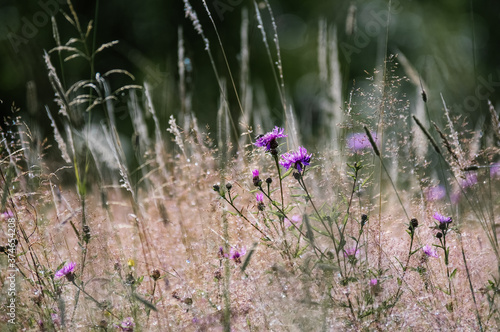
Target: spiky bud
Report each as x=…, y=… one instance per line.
x=155, y=274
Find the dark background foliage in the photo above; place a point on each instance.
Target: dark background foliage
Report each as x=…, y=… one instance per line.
x=452, y=44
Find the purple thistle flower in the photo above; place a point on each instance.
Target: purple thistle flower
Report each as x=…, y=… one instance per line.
x=373, y=282
x=259, y=197
x=430, y=251
x=360, y=141
x=236, y=255
x=269, y=140
x=442, y=219
x=435, y=193
x=127, y=325
x=256, y=180
x=67, y=271
x=298, y=159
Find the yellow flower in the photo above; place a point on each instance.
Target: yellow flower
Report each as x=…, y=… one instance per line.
x=131, y=262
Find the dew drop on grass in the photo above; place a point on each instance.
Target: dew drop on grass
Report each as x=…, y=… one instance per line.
x=188, y=261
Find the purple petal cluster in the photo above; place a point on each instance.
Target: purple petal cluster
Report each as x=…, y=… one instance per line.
x=236, y=255
x=430, y=251
x=255, y=173
x=67, y=269
x=268, y=140
x=359, y=141
x=259, y=197
x=442, y=219
x=373, y=282
x=297, y=159
x=127, y=325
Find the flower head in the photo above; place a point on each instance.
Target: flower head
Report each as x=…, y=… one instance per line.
x=256, y=180
x=236, y=255
x=360, y=141
x=297, y=159
x=127, y=325
x=373, y=282
x=442, y=219
x=269, y=140
x=430, y=251
x=259, y=197
x=67, y=271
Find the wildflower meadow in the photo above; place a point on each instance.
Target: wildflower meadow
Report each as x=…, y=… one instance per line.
x=166, y=203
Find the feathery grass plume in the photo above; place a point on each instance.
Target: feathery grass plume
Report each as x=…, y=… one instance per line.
x=494, y=119
x=446, y=143
x=280, y=84
x=454, y=135
x=174, y=130
x=322, y=50
x=350, y=22
x=159, y=146
x=61, y=98
x=335, y=86
x=143, y=142
x=222, y=88
x=291, y=129
x=427, y=134
x=57, y=135
x=245, y=90
x=418, y=141
x=185, y=97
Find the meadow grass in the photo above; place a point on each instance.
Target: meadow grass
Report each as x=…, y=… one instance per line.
x=383, y=222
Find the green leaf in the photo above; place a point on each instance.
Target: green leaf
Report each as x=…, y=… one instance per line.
x=309, y=230
x=290, y=170
x=249, y=256
x=453, y=273
x=148, y=304
x=301, y=251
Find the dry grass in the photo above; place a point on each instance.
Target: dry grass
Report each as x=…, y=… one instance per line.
x=152, y=244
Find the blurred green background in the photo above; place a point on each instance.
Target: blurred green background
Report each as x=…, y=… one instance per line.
x=452, y=44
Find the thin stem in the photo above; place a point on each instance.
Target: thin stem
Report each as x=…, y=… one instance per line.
x=243, y=216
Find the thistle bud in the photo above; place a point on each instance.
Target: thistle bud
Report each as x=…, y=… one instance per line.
x=155, y=274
